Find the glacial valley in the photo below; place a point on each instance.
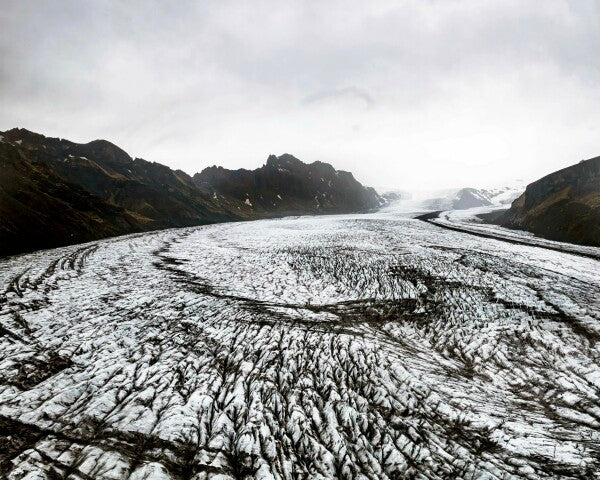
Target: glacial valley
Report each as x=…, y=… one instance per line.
x=346, y=346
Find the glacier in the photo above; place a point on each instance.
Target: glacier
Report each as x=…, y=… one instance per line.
x=347, y=346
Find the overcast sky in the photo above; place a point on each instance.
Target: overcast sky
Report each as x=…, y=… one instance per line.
x=404, y=94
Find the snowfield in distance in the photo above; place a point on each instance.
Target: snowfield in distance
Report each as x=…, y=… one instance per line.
x=352, y=347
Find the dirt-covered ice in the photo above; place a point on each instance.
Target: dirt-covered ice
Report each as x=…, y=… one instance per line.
x=361, y=347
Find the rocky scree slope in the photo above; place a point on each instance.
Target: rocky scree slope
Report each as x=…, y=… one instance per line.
x=563, y=206
x=55, y=192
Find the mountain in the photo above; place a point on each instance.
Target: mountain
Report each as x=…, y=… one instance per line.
x=563, y=206
x=39, y=209
x=287, y=186
x=464, y=198
x=55, y=192
x=454, y=199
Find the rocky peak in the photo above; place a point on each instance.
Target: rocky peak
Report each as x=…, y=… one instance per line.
x=107, y=150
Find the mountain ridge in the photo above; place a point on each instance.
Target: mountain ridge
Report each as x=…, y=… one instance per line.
x=285, y=185
x=112, y=193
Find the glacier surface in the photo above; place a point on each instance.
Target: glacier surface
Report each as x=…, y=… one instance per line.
x=354, y=346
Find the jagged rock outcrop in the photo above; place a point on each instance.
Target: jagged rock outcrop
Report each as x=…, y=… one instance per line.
x=287, y=186
x=563, y=206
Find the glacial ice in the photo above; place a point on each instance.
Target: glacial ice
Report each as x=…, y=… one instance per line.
x=351, y=346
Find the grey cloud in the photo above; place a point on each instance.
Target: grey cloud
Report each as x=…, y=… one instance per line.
x=341, y=93
x=198, y=82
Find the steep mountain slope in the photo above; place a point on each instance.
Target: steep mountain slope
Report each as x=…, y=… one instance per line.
x=168, y=198
x=56, y=192
x=41, y=210
x=287, y=186
x=563, y=206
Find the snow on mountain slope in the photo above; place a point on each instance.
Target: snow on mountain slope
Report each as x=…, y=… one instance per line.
x=454, y=199
x=319, y=347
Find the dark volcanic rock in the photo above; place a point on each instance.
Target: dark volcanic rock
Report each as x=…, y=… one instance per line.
x=163, y=197
x=287, y=186
x=39, y=209
x=563, y=206
x=55, y=192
